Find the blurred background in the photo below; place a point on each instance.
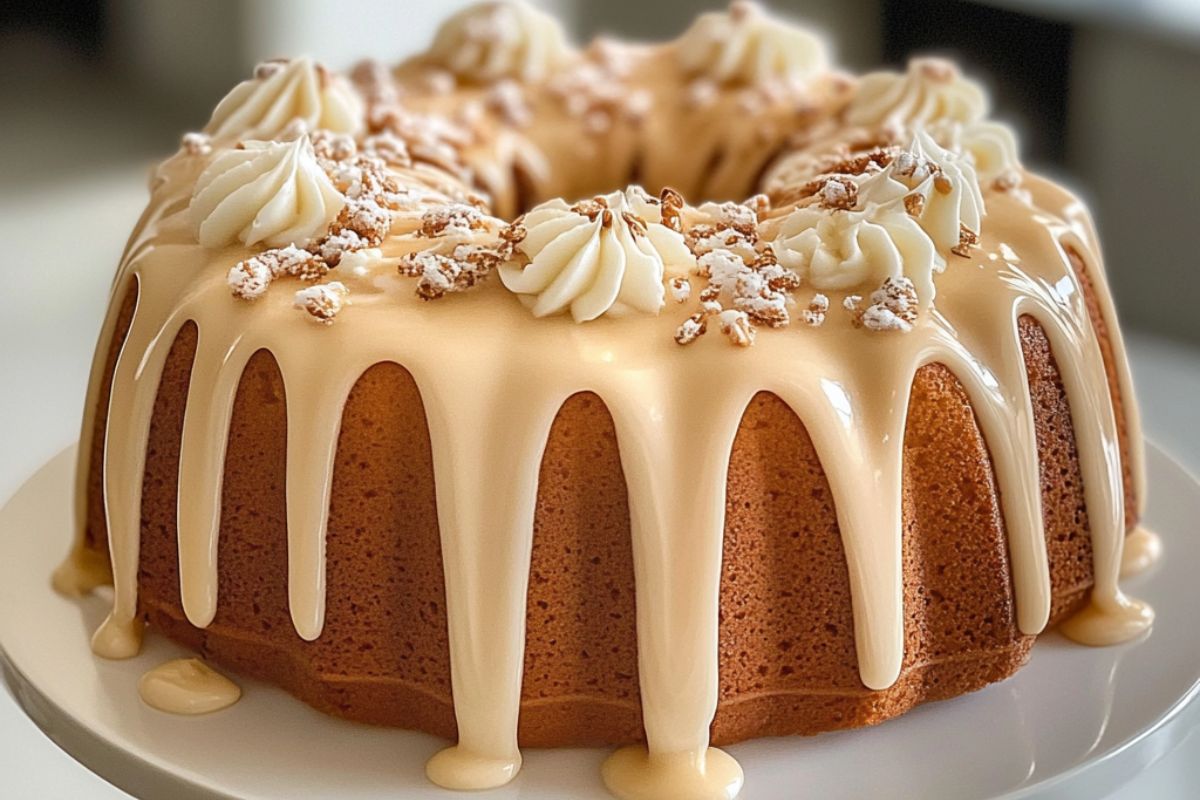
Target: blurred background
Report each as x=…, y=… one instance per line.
x=1105, y=93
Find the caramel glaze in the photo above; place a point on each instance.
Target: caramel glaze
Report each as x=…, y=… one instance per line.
x=492, y=382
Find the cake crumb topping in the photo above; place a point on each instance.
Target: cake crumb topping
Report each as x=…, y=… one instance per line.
x=440, y=274
x=196, y=143
x=454, y=219
x=323, y=302
x=818, y=307
x=736, y=326
x=893, y=307
x=967, y=239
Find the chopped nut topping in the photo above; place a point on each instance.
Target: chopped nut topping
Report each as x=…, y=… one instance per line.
x=506, y=99
x=692, y=328
x=455, y=219
x=250, y=279
x=736, y=325
x=818, y=307
x=591, y=208
x=595, y=90
x=703, y=239
x=967, y=239
x=914, y=204
x=739, y=217
x=839, y=193
x=637, y=225
x=333, y=146
x=268, y=68
x=196, y=144
x=760, y=204
x=323, y=302
x=440, y=274
x=672, y=208
x=389, y=148
x=681, y=289
x=893, y=307
x=514, y=233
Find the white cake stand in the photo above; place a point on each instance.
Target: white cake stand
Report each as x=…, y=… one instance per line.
x=1076, y=723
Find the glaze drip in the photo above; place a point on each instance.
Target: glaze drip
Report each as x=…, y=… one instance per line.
x=187, y=686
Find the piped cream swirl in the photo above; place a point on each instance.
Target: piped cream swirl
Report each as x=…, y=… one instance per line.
x=905, y=221
x=845, y=250
x=991, y=146
x=746, y=45
x=281, y=93
x=943, y=187
x=930, y=90
x=271, y=193
x=593, y=258
x=492, y=41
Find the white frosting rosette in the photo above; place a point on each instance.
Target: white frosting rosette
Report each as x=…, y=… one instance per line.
x=492, y=41
x=930, y=90
x=850, y=249
x=603, y=256
x=271, y=193
x=746, y=45
x=282, y=92
x=991, y=146
x=906, y=220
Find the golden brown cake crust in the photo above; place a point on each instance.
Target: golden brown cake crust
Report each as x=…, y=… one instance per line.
x=787, y=652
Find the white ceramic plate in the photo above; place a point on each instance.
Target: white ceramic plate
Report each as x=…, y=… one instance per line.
x=1076, y=722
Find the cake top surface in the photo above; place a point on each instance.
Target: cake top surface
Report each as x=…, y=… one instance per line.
x=731, y=178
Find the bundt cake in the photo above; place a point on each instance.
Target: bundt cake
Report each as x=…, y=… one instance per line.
x=474, y=396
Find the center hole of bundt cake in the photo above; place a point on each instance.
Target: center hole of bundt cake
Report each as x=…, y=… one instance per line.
x=692, y=176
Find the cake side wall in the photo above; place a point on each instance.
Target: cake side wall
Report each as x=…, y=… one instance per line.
x=252, y=633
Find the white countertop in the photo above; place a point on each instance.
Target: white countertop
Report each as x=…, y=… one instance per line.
x=46, y=340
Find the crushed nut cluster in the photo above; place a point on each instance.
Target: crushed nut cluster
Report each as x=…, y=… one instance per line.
x=453, y=219
x=596, y=89
x=839, y=193
x=323, y=302
x=196, y=144
x=818, y=307
x=967, y=239
x=746, y=288
x=251, y=278
x=374, y=82
x=438, y=275
x=842, y=167
x=372, y=196
x=465, y=254
x=745, y=285
x=428, y=139
x=506, y=99
x=891, y=307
